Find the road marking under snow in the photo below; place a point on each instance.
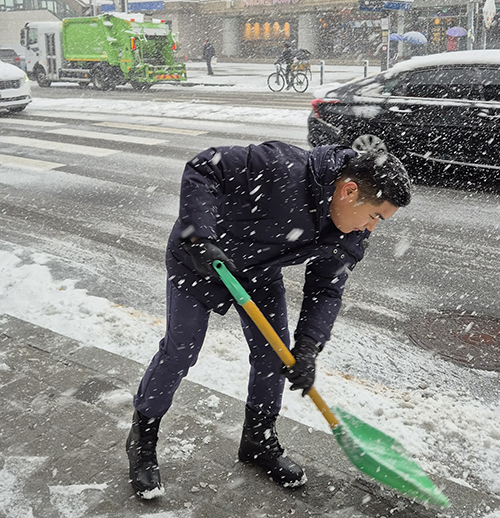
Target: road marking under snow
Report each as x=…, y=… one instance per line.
x=28, y=162
x=131, y=139
x=159, y=129
x=29, y=122
x=59, y=146
x=83, y=116
x=73, y=116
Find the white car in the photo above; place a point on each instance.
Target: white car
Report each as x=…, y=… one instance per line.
x=15, y=91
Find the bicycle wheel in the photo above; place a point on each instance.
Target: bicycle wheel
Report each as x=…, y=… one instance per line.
x=276, y=82
x=300, y=82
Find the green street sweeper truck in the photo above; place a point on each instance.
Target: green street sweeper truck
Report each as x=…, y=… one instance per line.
x=106, y=50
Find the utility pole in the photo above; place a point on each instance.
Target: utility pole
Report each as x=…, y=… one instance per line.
x=471, y=7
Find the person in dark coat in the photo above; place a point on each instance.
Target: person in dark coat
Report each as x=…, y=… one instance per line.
x=258, y=209
x=286, y=58
x=208, y=54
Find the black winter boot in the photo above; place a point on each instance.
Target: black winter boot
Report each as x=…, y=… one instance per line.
x=260, y=446
x=141, y=451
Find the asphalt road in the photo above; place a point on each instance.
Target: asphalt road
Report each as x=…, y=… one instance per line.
x=104, y=208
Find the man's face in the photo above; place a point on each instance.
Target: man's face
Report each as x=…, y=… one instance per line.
x=349, y=212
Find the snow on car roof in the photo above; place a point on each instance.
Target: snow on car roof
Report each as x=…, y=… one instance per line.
x=9, y=72
x=464, y=57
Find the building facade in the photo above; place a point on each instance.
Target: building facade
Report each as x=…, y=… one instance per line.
x=336, y=30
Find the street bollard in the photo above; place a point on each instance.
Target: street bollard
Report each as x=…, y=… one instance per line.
x=365, y=67
x=321, y=71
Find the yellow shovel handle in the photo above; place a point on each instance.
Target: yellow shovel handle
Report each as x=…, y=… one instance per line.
x=286, y=356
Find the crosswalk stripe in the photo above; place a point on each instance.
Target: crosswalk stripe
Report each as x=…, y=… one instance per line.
x=73, y=116
x=158, y=129
x=97, y=117
x=28, y=162
x=108, y=136
x=59, y=146
x=29, y=122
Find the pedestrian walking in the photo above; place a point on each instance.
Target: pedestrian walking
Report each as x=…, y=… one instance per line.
x=208, y=55
x=258, y=209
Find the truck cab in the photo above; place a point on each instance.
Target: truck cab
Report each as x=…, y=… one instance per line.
x=44, y=54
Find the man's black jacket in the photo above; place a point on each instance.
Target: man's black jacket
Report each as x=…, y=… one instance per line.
x=267, y=207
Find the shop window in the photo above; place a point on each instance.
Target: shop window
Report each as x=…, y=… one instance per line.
x=248, y=31
x=276, y=30
x=286, y=30
x=266, y=31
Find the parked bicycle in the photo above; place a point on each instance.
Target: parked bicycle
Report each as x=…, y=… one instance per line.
x=277, y=80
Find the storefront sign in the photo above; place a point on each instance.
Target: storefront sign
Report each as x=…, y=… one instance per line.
x=135, y=6
x=378, y=5
x=397, y=6
x=254, y=3
x=489, y=12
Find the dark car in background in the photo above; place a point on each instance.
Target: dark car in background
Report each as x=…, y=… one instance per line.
x=11, y=57
x=440, y=114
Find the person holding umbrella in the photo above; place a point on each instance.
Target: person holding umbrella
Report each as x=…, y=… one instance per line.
x=454, y=33
x=258, y=209
x=417, y=40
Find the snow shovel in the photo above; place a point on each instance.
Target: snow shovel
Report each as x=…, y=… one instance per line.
x=371, y=451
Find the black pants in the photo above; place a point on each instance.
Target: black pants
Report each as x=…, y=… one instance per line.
x=209, y=67
x=187, y=322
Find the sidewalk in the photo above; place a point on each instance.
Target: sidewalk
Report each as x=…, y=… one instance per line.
x=67, y=411
x=253, y=76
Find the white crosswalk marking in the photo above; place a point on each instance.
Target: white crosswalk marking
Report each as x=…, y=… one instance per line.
x=98, y=117
x=72, y=116
x=108, y=136
x=159, y=129
x=28, y=162
x=29, y=122
x=59, y=146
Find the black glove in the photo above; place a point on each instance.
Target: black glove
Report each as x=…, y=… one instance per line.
x=301, y=375
x=204, y=252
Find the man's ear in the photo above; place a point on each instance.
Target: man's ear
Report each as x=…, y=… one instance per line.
x=349, y=189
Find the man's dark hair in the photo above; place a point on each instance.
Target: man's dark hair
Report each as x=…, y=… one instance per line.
x=380, y=177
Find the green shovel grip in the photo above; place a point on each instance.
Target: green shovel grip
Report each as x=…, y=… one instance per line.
x=234, y=287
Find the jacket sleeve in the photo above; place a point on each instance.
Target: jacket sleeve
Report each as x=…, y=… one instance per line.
x=204, y=183
x=323, y=290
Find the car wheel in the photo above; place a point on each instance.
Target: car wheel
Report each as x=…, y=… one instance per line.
x=16, y=109
x=41, y=78
x=369, y=143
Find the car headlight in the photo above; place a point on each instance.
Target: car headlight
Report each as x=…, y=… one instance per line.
x=26, y=78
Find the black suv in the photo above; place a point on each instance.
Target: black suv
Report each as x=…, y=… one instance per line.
x=440, y=114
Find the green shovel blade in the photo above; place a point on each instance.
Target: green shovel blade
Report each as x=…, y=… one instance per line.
x=384, y=459
x=371, y=451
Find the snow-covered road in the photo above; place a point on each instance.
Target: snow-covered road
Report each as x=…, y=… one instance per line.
x=448, y=416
